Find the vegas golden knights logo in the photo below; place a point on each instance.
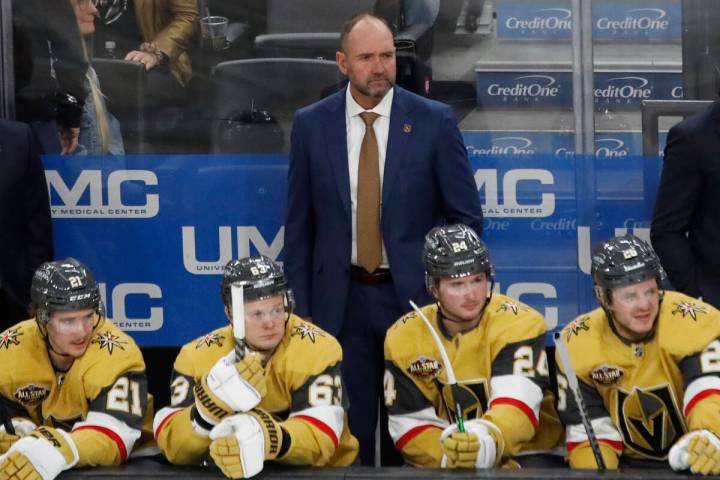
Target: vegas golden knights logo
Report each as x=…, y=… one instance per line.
x=472, y=397
x=649, y=420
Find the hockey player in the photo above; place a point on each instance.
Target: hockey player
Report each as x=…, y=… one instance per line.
x=497, y=350
x=282, y=401
x=647, y=362
x=73, y=385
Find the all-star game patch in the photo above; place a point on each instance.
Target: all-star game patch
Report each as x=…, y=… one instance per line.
x=607, y=375
x=10, y=337
x=424, y=367
x=109, y=340
x=689, y=308
x=210, y=339
x=306, y=330
x=31, y=395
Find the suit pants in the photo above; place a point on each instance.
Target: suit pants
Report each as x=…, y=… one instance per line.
x=370, y=311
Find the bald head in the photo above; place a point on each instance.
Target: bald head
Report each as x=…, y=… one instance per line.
x=367, y=57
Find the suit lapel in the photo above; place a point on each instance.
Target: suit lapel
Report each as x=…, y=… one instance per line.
x=401, y=126
x=336, y=142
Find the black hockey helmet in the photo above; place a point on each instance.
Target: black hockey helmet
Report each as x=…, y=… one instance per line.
x=260, y=278
x=64, y=285
x=454, y=251
x=623, y=261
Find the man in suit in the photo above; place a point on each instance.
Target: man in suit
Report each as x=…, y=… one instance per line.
x=25, y=226
x=685, y=229
x=360, y=201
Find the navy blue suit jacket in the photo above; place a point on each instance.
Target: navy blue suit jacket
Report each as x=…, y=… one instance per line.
x=685, y=229
x=427, y=181
x=25, y=225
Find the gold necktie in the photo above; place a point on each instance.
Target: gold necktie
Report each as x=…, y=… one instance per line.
x=369, y=241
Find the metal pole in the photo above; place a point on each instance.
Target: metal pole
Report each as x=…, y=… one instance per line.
x=7, y=71
x=577, y=76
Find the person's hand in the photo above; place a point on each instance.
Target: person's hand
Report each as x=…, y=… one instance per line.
x=242, y=443
x=698, y=451
x=230, y=387
x=68, y=139
x=42, y=455
x=22, y=427
x=474, y=448
x=146, y=58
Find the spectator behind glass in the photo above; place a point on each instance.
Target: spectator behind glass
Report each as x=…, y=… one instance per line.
x=155, y=33
x=49, y=72
x=99, y=129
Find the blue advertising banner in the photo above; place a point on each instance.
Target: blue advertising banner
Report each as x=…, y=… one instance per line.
x=157, y=230
x=659, y=20
x=554, y=89
x=561, y=143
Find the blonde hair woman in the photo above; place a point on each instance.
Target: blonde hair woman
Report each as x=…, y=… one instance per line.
x=99, y=129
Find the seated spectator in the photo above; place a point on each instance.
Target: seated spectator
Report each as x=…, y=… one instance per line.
x=154, y=33
x=73, y=391
x=646, y=363
x=501, y=404
x=275, y=394
x=99, y=129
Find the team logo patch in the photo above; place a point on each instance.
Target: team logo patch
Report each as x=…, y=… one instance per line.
x=575, y=327
x=512, y=307
x=689, y=308
x=109, y=340
x=607, y=375
x=424, y=367
x=31, y=394
x=306, y=330
x=9, y=337
x=210, y=339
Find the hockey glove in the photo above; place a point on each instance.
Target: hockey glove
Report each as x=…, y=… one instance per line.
x=41, y=455
x=243, y=442
x=699, y=451
x=475, y=448
x=22, y=427
x=230, y=387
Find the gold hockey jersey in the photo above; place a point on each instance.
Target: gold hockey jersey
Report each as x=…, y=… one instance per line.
x=102, y=400
x=642, y=397
x=501, y=370
x=304, y=392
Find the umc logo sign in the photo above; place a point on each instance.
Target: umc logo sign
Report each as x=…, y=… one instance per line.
x=509, y=205
x=92, y=196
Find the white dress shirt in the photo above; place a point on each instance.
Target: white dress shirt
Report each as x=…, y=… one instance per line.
x=355, y=128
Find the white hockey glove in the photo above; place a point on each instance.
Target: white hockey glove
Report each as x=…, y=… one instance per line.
x=475, y=448
x=698, y=451
x=41, y=455
x=230, y=387
x=22, y=427
x=243, y=442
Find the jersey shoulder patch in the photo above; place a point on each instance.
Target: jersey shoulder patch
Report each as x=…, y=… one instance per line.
x=686, y=324
x=199, y=355
x=512, y=321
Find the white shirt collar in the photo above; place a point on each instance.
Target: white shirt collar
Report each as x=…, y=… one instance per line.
x=383, y=108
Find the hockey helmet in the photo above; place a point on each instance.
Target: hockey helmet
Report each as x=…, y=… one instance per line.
x=260, y=278
x=64, y=285
x=454, y=251
x=623, y=261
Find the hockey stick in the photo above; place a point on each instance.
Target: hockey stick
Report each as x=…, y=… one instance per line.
x=452, y=380
x=575, y=388
x=238, y=314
